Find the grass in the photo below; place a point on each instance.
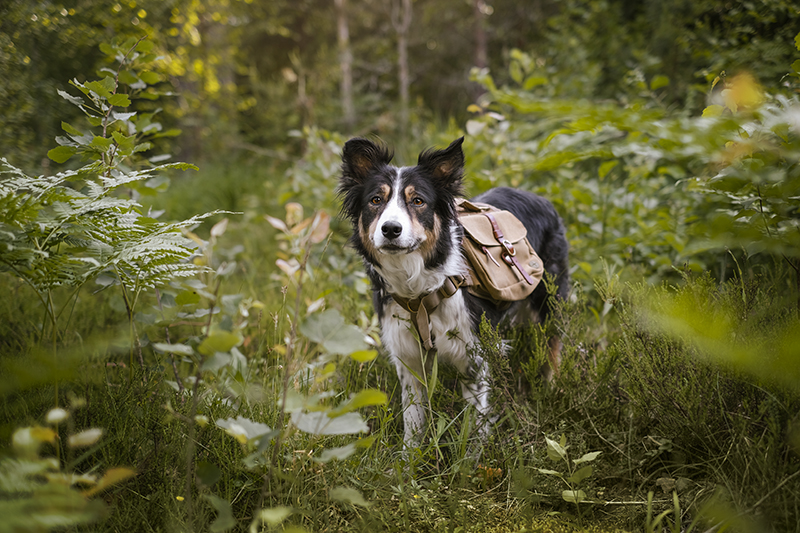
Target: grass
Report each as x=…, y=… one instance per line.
x=664, y=419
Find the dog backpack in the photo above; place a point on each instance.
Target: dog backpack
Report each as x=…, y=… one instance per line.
x=503, y=265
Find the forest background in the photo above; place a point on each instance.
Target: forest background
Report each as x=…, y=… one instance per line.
x=666, y=134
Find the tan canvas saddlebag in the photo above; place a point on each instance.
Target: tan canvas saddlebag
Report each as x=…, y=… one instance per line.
x=503, y=265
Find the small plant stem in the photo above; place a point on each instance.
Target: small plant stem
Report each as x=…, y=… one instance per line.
x=178, y=379
x=286, y=374
x=193, y=424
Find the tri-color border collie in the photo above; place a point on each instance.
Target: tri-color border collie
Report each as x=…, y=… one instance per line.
x=406, y=230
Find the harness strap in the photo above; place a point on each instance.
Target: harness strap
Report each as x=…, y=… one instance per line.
x=422, y=306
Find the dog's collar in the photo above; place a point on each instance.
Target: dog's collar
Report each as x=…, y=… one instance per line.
x=422, y=306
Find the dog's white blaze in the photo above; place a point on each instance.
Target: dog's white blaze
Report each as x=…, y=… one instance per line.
x=396, y=212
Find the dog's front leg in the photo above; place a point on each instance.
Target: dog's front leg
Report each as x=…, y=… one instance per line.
x=414, y=402
x=476, y=392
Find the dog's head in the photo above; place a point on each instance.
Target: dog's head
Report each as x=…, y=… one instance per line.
x=399, y=210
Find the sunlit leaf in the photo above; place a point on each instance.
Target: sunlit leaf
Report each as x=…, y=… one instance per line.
x=329, y=329
x=224, y=520
x=319, y=423
x=348, y=495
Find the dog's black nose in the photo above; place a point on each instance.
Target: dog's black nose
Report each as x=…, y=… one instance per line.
x=391, y=230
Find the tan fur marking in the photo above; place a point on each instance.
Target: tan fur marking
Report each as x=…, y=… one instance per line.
x=365, y=237
x=410, y=192
x=428, y=248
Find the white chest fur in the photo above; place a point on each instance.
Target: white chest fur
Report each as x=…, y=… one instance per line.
x=450, y=327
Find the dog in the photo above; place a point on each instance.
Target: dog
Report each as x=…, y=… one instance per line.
x=406, y=230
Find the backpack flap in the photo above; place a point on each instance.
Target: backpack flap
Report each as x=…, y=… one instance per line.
x=507, y=268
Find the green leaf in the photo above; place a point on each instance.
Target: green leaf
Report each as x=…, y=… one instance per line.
x=549, y=472
x=187, y=298
x=221, y=341
x=658, y=82
x=606, y=167
x=207, y=473
x=180, y=349
x=340, y=453
x=534, y=81
x=119, y=100
x=580, y=474
x=100, y=88
x=364, y=356
x=587, y=457
x=796, y=66
x=364, y=398
x=102, y=143
x=329, y=329
x=348, y=495
x=60, y=154
x=225, y=520
x=713, y=111
x=319, y=423
x=797, y=41
x=573, y=496
x=555, y=451
x=70, y=129
x=273, y=516
x=149, y=77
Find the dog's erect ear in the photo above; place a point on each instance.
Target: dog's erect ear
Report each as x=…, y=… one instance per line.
x=361, y=156
x=445, y=166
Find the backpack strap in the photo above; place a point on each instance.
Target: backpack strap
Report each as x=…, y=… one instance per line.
x=509, y=256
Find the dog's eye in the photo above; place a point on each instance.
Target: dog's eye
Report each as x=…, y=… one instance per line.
x=376, y=200
x=418, y=201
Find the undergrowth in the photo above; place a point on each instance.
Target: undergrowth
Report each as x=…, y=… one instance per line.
x=228, y=376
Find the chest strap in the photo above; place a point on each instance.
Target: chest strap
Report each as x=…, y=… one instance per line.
x=422, y=306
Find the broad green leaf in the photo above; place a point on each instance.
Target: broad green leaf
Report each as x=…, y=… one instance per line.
x=364, y=356
x=103, y=143
x=340, y=453
x=555, y=451
x=221, y=341
x=100, y=88
x=658, y=82
x=273, y=516
x=534, y=81
x=149, y=77
x=580, y=474
x=363, y=398
x=573, y=496
x=606, y=167
x=69, y=98
x=319, y=423
x=207, y=473
x=60, y=154
x=348, y=495
x=244, y=427
x=187, y=298
x=329, y=329
x=713, y=111
x=224, y=520
x=587, y=457
x=119, y=100
x=70, y=129
x=180, y=349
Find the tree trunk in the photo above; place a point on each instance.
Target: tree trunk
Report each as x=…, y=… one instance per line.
x=345, y=64
x=401, y=20
x=481, y=53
